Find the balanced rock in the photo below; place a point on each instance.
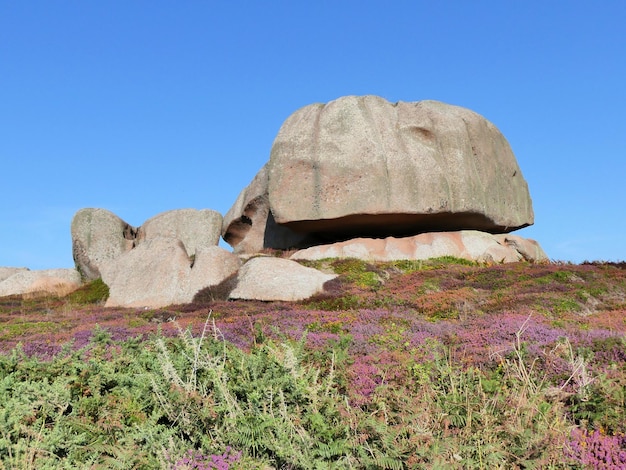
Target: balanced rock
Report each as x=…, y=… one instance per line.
x=467, y=244
x=361, y=166
x=99, y=236
x=43, y=282
x=267, y=278
x=194, y=228
x=249, y=226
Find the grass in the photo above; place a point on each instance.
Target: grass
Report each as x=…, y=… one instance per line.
x=442, y=364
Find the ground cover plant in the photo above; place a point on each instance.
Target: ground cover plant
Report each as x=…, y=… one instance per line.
x=415, y=364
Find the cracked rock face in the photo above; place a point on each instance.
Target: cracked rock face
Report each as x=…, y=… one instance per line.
x=361, y=166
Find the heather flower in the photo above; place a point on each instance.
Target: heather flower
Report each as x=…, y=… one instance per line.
x=196, y=460
x=596, y=450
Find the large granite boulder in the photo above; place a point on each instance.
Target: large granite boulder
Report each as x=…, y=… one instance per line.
x=267, y=278
x=154, y=274
x=159, y=272
x=37, y=283
x=249, y=226
x=361, y=166
x=467, y=244
x=99, y=236
x=194, y=228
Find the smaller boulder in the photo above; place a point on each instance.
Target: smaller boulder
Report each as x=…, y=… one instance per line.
x=41, y=283
x=269, y=279
x=211, y=266
x=99, y=236
x=154, y=274
x=195, y=228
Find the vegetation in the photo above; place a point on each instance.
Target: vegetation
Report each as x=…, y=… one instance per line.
x=439, y=364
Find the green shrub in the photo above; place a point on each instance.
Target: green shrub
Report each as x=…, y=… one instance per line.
x=94, y=292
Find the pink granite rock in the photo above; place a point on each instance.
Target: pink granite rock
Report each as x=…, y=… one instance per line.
x=467, y=244
x=361, y=166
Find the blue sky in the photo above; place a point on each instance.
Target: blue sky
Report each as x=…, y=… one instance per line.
x=140, y=107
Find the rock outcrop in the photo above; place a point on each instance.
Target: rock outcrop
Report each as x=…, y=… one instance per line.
x=266, y=278
x=466, y=244
x=36, y=283
x=196, y=229
x=99, y=236
x=357, y=177
x=249, y=226
x=361, y=166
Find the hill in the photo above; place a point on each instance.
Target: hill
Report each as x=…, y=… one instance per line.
x=414, y=364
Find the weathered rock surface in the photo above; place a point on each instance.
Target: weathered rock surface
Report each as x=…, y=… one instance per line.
x=361, y=166
x=154, y=274
x=43, y=282
x=7, y=272
x=266, y=278
x=158, y=272
x=195, y=228
x=99, y=236
x=467, y=244
x=211, y=266
x=249, y=226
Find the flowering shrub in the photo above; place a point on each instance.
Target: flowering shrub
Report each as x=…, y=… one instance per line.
x=414, y=365
x=594, y=449
x=196, y=460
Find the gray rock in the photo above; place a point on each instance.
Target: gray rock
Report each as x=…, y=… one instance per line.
x=267, y=278
x=528, y=248
x=99, y=236
x=249, y=225
x=467, y=244
x=154, y=274
x=361, y=166
x=158, y=273
x=211, y=266
x=6, y=272
x=195, y=228
x=43, y=282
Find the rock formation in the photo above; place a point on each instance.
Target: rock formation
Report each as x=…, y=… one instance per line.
x=194, y=228
x=361, y=166
x=158, y=273
x=39, y=282
x=364, y=167
x=249, y=225
x=99, y=236
x=466, y=244
x=356, y=177
x=267, y=278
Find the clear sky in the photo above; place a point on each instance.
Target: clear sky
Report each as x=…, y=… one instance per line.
x=140, y=107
